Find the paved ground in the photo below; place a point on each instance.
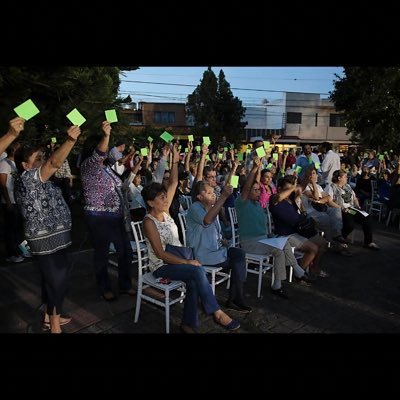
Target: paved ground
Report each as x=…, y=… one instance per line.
x=361, y=296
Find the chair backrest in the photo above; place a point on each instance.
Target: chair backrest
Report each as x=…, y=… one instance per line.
x=186, y=201
x=234, y=226
x=141, y=247
x=182, y=221
x=374, y=190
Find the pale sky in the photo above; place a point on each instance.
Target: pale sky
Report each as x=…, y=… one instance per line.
x=260, y=82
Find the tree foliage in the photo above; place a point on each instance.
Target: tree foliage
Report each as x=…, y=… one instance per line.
x=370, y=100
x=56, y=91
x=215, y=110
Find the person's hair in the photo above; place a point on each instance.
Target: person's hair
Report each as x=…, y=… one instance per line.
x=183, y=175
x=326, y=145
x=22, y=154
x=291, y=179
x=119, y=143
x=337, y=174
x=207, y=170
x=12, y=148
x=198, y=187
x=264, y=171
x=151, y=191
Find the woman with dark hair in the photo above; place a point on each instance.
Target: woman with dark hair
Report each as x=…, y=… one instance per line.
x=105, y=213
x=47, y=222
x=343, y=195
x=160, y=230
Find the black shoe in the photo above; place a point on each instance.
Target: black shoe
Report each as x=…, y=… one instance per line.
x=280, y=293
x=341, y=239
x=131, y=292
x=109, y=296
x=304, y=281
x=187, y=329
x=238, y=307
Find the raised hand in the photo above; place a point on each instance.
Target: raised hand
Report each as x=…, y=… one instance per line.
x=106, y=126
x=16, y=126
x=73, y=132
x=228, y=190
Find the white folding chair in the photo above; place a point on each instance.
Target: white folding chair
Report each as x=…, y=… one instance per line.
x=217, y=274
x=147, y=279
x=262, y=263
x=186, y=201
x=375, y=206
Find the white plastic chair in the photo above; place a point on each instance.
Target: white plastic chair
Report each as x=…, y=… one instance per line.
x=263, y=262
x=147, y=279
x=186, y=201
x=217, y=274
x=374, y=204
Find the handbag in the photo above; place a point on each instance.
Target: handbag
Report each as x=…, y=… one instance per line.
x=306, y=226
x=180, y=251
x=319, y=206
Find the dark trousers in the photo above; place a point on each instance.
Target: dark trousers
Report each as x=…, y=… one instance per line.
x=12, y=229
x=348, y=225
x=104, y=230
x=55, y=270
x=235, y=262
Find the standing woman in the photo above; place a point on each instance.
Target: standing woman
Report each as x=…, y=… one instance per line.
x=160, y=230
x=47, y=221
x=104, y=209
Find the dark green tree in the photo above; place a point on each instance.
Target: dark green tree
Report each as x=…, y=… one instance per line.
x=369, y=97
x=215, y=111
x=56, y=91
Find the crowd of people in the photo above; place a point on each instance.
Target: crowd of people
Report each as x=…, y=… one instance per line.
x=312, y=198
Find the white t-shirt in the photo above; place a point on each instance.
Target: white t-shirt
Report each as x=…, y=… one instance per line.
x=8, y=167
x=307, y=201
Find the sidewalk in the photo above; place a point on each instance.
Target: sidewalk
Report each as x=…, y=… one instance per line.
x=361, y=296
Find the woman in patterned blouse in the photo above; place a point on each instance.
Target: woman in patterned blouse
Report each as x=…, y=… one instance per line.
x=47, y=221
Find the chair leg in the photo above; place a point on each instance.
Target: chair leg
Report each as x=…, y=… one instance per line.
x=213, y=281
x=260, y=274
x=388, y=218
x=138, y=302
x=290, y=274
x=167, y=306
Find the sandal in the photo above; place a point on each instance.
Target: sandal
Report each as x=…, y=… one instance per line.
x=63, y=321
x=323, y=274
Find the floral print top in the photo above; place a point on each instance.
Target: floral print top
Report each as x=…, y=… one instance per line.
x=46, y=215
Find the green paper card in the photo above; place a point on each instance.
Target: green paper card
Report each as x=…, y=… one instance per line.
x=232, y=147
x=352, y=212
x=240, y=156
x=391, y=151
x=220, y=155
x=317, y=165
x=225, y=149
x=208, y=158
x=186, y=150
x=248, y=151
x=206, y=140
x=27, y=110
x=382, y=157
x=53, y=140
x=275, y=156
x=298, y=169
x=267, y=144
x=76, y=117
x=166, y=137
x=310, y=160
x=143, y=152
x=385, y=152
x=235, y=181
x=260, y=152
x=190, y=138
x=111, y=116
x=269, y=166
x=149, y=139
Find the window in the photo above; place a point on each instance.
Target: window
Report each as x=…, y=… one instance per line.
x=337, y=120
x=293, y=118
x=316, y=119
x=164, y=117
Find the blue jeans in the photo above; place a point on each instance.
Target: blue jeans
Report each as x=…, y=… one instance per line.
x=197, y=285
x=236, y=262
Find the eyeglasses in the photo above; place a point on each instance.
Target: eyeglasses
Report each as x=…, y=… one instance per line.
x=211, y=177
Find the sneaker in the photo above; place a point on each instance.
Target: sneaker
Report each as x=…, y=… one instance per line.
x=15, y=259
x=372, y=246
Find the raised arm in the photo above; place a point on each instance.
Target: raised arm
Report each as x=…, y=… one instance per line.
x=213, y=212
x=204, y=151
x=188, y=155
x=16, y=126
x=149, y=155
x=250, y=178
x=56, y=160
x=103, y=145
x=173, y=179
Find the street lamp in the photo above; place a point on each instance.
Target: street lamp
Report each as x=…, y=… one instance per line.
x=264, y=103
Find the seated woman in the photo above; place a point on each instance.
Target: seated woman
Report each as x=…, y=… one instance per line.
x=344, y=195
x=267, y=188
x=204, y=236
x=286, y=214
x=363, y=187
x=319, y=205
x=160, y=230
